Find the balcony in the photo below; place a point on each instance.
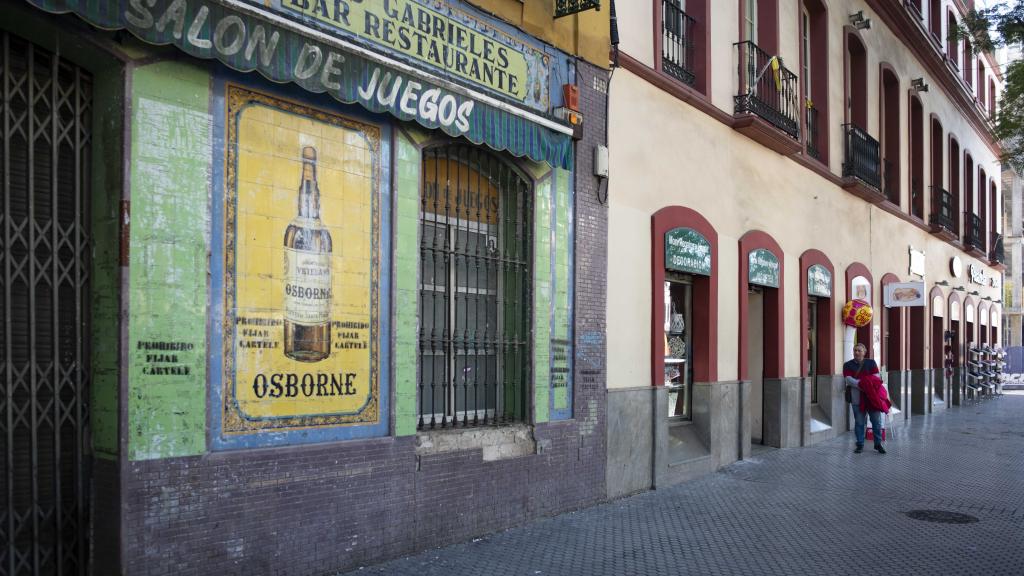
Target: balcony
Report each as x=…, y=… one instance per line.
x=996, y=256
x=812, y=132
x=862, y=168
x=766, y=103
x=677, y=42
x=974, y=240
x=941, y=219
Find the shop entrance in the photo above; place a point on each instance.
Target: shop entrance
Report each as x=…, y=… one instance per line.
x=937, y=355
x=755, y=358
x=45, y=167
x=812, y=346
x=678, y=344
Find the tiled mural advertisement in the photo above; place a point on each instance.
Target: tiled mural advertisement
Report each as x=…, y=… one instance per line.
x=297, y=274
x=302, y=276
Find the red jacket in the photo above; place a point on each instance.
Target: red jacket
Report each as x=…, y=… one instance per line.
x=873, y=397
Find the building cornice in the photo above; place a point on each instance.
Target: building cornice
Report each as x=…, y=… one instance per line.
x=896, y=17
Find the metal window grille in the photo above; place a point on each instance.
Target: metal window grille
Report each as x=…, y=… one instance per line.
x=677, y=47
x=44, y=173
x=475, y=278
x=862, y=156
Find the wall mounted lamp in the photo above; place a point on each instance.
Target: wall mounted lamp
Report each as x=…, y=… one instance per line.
x=918, y=85
x=859, y=21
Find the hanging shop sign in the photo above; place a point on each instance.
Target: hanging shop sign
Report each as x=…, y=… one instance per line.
x=861, y=288
x=819, y=281
x=687, y=250
x=763, y=268
x=904, y=294
x=247, y=37
x=917, y=262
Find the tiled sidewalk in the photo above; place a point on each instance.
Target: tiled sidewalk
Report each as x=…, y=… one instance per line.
x=819, y=510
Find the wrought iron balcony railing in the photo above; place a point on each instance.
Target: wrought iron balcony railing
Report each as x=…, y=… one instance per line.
x=767, y=89
x=942, y=209
x=973, y=236
x=567, y=7
x=677, y=42
x=812, y=132
x=862, y=156
x=997, y=255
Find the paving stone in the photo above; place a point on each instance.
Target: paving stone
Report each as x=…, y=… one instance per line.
x=811, y=510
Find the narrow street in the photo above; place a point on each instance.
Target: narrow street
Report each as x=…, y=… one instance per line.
x=819, y=510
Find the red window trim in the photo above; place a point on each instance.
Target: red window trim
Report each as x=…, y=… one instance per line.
x=705, y=317
x=702, y=53
x=852, y=271
x=826, y=345
x=774, y=327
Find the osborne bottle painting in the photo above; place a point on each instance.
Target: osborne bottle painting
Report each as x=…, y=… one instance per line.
x=307, y=270
x=301, y=266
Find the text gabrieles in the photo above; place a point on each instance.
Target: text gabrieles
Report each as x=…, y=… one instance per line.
x=304, y=385
x=232, y=37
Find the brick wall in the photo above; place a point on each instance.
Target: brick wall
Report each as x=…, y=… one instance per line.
x=322, y=508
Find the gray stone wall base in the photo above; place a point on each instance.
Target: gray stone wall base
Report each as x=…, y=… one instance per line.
x=921, y=391
x=782, y=412
x=646, y=449
x=631, y=438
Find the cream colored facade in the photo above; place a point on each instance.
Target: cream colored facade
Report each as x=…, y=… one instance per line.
x=666, y=152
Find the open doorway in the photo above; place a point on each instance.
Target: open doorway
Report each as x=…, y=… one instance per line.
x=938, y=349
x=755, y=356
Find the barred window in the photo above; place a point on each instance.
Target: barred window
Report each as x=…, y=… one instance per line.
x=474, y=308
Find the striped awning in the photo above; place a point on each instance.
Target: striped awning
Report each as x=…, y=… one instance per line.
x=247, y=37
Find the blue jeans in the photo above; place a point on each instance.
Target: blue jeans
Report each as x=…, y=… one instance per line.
x=860, y=425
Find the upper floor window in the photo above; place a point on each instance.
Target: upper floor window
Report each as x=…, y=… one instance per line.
x=968, y=63
x=952, y=44
x=992, y=99
x=814, y=76
x=750, y=21
x=981, y=82
x=935, y=20
x=683, y=41
x=759, y=19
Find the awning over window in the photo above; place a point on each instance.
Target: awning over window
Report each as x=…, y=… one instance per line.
x=246, y=38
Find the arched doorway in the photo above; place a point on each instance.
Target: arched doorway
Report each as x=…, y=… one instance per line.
x=937, y=356
x=893, y=349
x=954, y=342
x=817, y=352
x=761, y=346
x=685, y=281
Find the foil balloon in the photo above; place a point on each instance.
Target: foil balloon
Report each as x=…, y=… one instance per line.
x=857, y=313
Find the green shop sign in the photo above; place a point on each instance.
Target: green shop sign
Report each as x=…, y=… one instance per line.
x=819, y=281
x=686, y=250
x=248, y=37
x=763, y=268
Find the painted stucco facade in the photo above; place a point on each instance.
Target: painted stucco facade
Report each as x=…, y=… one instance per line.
x=676, y=146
